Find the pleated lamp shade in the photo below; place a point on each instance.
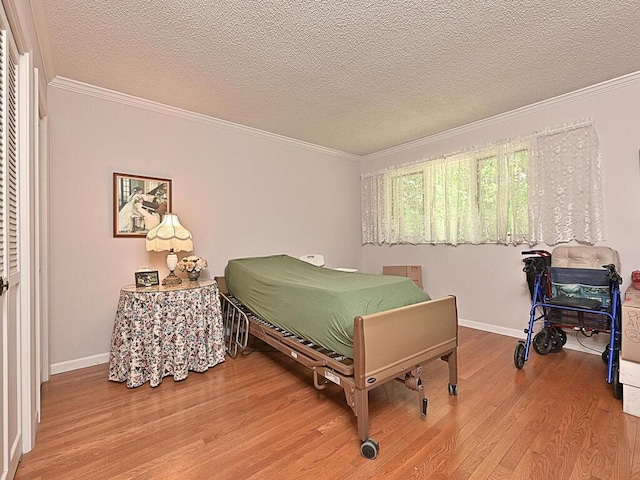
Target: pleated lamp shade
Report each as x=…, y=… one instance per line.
x=169, y=235
x=172, y=236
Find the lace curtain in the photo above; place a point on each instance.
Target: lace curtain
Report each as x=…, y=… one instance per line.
x=566, y=187
x=541, y=188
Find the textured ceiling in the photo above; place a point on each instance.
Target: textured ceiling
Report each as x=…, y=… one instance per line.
x=352, y=75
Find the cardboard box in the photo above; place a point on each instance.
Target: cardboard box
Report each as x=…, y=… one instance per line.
x=630, y=349
x=632, y=295
x=630, y=379
x=414, y=272
x=631, y=400
x=630, y=373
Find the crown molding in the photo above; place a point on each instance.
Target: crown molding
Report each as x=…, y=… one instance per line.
x=17, y=28
x=110, y=95
x=597, y=89
x=39, y=15
x=123, y=98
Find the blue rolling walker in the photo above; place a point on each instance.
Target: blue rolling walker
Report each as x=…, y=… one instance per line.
x=581, y=299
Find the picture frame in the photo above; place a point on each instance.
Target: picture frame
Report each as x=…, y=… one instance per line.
x=149, y=278
x=139, y=203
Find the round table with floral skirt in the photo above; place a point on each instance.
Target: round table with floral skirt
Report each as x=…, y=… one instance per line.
x=166, y=331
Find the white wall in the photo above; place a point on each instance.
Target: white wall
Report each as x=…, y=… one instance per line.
x=488, y=279
x=241, y=193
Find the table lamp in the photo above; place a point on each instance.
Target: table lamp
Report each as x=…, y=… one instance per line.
x=170, y=236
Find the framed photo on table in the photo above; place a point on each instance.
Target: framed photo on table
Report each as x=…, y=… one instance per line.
x=147, y=279
x=139, y=203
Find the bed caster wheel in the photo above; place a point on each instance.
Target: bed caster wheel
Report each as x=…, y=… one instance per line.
x=542, y=342
x=369, y=449
x=453, y=390
x=518, y=355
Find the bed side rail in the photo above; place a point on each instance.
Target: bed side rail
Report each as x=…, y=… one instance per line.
x=236, y=326
x=234, y=320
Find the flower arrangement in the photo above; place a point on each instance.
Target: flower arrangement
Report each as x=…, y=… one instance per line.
x=192, y=263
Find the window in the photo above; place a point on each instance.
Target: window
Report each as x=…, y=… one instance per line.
x=490, y=195
x=408, y=202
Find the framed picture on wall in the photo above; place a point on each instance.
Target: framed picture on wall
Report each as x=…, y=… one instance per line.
x=139, y=203
x=147, y=279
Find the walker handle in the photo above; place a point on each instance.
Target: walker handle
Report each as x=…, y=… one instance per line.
x=542, y=253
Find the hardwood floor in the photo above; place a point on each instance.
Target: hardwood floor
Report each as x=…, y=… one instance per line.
x=259, y=417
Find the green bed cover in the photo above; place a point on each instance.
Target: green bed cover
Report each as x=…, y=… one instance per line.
x=316, y=303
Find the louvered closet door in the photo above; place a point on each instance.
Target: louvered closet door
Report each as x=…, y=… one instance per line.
x=9, y=261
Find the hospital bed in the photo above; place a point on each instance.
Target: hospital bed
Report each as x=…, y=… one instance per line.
x=302, y=311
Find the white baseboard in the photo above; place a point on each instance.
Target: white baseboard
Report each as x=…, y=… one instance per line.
x=487, y=327
x=79, y=363
x=594, y=345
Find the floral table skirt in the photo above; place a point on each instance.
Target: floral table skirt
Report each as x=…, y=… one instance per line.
x=161, y=331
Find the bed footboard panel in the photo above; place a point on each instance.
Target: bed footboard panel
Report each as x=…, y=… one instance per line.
x=388, y=344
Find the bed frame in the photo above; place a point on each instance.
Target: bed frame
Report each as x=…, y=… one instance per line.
x=390, y=345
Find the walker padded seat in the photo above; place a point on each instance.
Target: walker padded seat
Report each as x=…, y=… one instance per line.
x=584, y=257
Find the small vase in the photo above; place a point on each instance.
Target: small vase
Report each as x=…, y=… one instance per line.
x=193, y=276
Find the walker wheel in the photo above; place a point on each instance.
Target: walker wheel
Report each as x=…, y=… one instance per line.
x=369, y=449
x=617, y=386
x=542, y=342
x=555, y=339
x=453, y=390
x=563, y=337
x=518, y=355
